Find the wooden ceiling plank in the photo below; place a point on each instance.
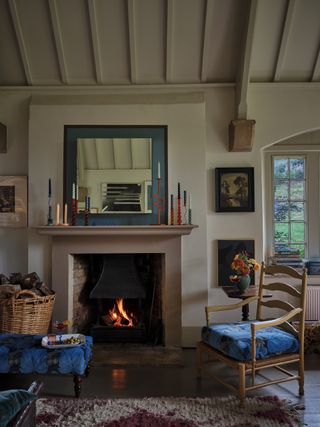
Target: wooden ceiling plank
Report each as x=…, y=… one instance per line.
x=21, y=42
x=132, y=40
x=245, y=66
x=169, y=51
x=206, y=40
x=58, y=40
x=316, y=69
x=284, y=39
x=92, y=6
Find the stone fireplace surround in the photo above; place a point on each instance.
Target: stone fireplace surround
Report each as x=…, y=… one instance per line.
x=70, y=241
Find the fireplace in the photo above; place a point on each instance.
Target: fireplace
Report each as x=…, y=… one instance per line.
x=164, y=242
x=118, y=297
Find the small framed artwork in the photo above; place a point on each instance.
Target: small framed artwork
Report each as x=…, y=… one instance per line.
x=227, y=249
x=13, y=201
x=234, y=189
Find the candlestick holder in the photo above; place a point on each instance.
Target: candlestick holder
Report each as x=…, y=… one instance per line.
x=190, y=216
x=171, y=210
x=73, y=212
x=159, y=201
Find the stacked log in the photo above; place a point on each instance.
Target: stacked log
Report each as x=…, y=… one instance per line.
x=17, y=281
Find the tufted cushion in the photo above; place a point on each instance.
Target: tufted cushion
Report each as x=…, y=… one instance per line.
x=11, y=402
x=234, y=340
x=24, y=354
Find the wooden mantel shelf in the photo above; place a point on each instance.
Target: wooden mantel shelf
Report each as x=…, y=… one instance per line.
x=116, y=230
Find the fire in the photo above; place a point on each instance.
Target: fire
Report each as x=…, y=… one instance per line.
x=118, y=314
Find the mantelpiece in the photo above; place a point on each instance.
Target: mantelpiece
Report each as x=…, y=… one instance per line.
x=116, y=230
x=68, y=242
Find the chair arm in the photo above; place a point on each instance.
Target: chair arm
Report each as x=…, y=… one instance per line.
x=210, y=309
x=275, y=322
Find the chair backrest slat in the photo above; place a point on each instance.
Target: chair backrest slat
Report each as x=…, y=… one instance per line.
x=276, y=303
x=283, y=269
x=284, y=287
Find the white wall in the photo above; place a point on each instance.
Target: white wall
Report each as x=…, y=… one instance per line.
x=194, y=151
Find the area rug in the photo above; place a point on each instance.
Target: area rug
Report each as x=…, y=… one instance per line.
x=266, y=411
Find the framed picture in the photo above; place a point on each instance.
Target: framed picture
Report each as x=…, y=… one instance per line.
x=13, y=201
x=234, y=189
x=227, y=249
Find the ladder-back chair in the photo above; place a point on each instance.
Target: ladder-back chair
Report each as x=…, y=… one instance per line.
x=251, y=346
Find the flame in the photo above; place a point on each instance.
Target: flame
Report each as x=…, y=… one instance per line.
x=118, y=313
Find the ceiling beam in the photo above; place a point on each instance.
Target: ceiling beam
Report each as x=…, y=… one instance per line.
x=316, y=69
x=245, y=66
x=21, y=42
x=92, y=6
x=58, y=40
x=169, y=50
x=284, y=39
x=206, y=40
x=132, y=41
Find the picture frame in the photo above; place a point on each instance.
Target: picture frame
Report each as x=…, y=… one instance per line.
x=227, y=249
x=234, y=189
x=13, y=201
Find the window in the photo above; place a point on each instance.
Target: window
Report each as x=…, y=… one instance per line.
x=289, y=203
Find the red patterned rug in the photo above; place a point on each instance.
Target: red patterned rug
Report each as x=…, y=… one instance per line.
x=166, y=412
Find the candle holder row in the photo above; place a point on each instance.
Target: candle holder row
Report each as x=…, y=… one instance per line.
x=181, y=209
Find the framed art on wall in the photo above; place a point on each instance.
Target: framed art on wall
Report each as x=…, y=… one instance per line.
x=234, y=189
x=13, y=201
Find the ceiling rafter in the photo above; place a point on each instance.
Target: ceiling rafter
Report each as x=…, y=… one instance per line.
x=21, y=42
x=92, y=6
x=316, y=69
x=58, y=40
x=206, y=41
x=132, y=41
x=169, y=49
x=245, y=64
x=284, y=39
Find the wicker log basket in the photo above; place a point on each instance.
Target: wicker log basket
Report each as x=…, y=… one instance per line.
x=26, y=313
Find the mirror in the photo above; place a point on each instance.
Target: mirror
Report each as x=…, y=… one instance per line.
x=116, y=173
x=118, y=167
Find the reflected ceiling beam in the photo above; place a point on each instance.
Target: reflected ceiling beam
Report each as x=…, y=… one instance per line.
x=21, y=42
x=316, y=69
x=58, y=40
x=206, y=40
x=243, y=79
x=132, y=41
x=92, y=6
x=284, y=39
x=169, y=53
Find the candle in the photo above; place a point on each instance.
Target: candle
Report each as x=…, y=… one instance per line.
x=178, y=190
x=58, y=214
x=77, y=192
x=89, y=203
x=65, y=214
x=171, y=199
x=159, y=176
x=73, y=190
x=184, y=198
x=49, y=193
x=190, y=205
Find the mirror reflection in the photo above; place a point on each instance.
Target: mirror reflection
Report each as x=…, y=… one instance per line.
x=116, y=173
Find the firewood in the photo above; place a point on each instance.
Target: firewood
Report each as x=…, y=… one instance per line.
x=3, y=279
x=7, y=291
x=43, y=288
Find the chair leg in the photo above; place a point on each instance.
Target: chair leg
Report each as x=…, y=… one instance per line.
x=199, y=362
x=242, y=383
x=301, y=376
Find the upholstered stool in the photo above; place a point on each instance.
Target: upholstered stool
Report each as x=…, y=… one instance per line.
x=23, y=354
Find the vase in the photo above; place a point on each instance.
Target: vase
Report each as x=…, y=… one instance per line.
x=244, y=283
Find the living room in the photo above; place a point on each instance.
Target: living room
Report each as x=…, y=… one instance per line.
x=57, y=72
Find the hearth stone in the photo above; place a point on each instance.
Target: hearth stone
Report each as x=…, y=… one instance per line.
x=123, y=334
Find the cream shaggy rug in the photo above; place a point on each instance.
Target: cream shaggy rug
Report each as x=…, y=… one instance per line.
x=266, y=411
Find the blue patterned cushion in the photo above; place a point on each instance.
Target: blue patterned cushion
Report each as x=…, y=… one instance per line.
x=234, y=340
x=24, y=354
x=11, y=402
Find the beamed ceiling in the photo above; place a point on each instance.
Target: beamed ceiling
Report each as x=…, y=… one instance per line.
x=158, y=42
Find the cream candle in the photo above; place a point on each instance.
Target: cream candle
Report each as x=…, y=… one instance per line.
x=65, y=214
x=58, y=214
x=73, y=190
x=190, y=203
x=159, y=176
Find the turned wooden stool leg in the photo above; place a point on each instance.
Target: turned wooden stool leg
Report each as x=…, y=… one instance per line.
x=77, y=379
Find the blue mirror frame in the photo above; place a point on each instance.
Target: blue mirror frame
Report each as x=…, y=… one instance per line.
x=158, y=134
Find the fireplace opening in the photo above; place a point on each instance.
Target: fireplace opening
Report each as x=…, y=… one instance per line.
x=118, y=297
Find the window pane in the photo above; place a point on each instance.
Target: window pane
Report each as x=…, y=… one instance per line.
x=281, y=211
x=297, y=211
x=281, y=232
x=297, y=168
x=297, y=231
x=301, y=249
x=281, y=169
x=297, y=190
x=281, y=190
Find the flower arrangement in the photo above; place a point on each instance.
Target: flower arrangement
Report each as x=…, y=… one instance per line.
x=243, y=265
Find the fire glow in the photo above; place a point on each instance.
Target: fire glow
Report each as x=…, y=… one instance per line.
x=119, y=316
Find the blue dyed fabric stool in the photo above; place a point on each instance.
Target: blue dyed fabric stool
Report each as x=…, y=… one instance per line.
x=23, y=354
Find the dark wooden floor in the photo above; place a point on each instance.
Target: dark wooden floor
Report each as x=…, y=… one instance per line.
x=141, y=381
